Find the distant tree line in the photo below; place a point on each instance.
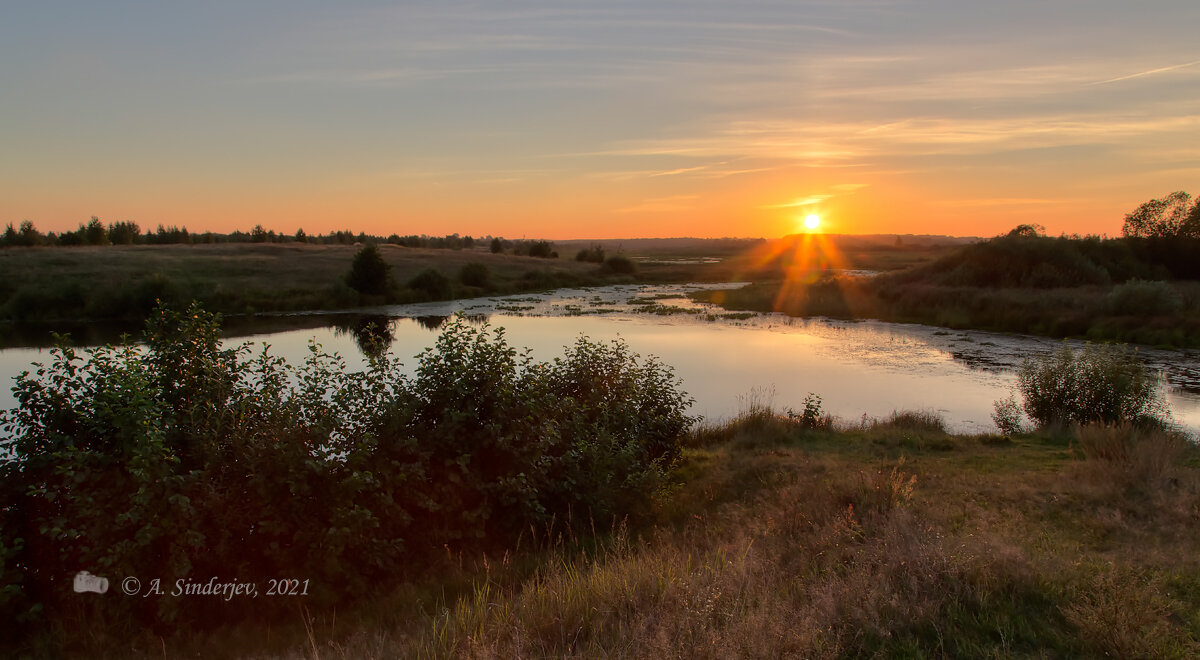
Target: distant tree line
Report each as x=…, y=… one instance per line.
x=96, y=232
x=524, y=248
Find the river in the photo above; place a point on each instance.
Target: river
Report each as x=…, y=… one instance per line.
x=858, y=368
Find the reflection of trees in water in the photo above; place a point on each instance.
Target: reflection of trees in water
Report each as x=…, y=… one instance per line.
x=436, y=322
x=430, y=322
x=373, y=333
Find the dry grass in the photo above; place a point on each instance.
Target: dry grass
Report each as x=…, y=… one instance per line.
x=821, y=543
x=118, y=282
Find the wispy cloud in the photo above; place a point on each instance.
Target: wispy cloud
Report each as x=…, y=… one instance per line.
x=798, y=202
x=1148, y=72
x=670, y=204
x=991, y=202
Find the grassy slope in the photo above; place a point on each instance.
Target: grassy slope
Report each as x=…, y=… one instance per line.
x=1051, y=287
x=124, y=281
x=893, y=539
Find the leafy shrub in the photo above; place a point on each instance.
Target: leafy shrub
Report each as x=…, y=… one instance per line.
x=812, y=416
x=368, y=272
x=1100, y=384
x=619, y=264
x=1006, y=414
x=1142, y=298
x=432, y=283
x=594, y=254
x=474, y=274
x=185, y=459
x=542, y=249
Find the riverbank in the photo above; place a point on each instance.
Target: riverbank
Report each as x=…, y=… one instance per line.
x=56, y=285
x=1125, y=290
x=123, y=282
x=1071, y=312
x=782, y=537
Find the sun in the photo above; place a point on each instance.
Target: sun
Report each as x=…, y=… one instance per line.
x=812, y=222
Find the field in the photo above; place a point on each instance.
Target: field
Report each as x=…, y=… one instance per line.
x=59, y=285
x=890, y=538
x=489, y=507
x=1133, y=291
x=122, y=282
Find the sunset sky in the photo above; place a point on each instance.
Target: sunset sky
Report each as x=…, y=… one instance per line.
x=576, y=119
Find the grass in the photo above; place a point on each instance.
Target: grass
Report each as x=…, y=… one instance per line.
x=123, y=282
x=1081, y=312
x=1132, y=291
x=889, y=538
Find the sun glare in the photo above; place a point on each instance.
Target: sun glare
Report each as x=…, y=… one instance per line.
x=812, y=222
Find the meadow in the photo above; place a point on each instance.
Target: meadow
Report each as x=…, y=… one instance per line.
x=491, y=506
x=63, y=284
x=124, y=282
x=887, y=538
x=1143, y=291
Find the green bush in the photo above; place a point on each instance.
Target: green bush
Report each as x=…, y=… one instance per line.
x=1006, y=414
x=185, y=459
x=1142, y=298
x=619, y=264
x=594, y=254
x=1104, y=384
x=474, y=274
x=368, y=272
x=432, y=284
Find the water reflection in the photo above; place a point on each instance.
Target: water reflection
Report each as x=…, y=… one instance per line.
x=373, y=334
x=430, y=321
x=857, y=367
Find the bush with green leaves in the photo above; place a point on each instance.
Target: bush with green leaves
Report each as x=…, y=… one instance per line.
x=474, y=274
x=1144, y=298
x=432, y=284
x=369, y=272
x=1006, y=414
x=1101, y=383
x=619, y=264
x=182, y=458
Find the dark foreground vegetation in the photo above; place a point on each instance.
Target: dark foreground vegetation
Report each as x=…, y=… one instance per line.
x=489, y=506
x=185, y=460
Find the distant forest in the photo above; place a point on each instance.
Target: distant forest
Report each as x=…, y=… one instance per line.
x=96, y=232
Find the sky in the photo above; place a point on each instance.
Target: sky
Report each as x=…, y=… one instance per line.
x=587, y=119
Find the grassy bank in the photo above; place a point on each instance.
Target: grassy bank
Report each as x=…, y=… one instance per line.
x=1126, y=290
x=123, y=282
x=892, y=538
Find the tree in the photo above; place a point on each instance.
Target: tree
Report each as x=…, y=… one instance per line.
x=123, y=233
x=432, y=283
x=95, y=233
x=1026, y=231
x=1173, y=216
x=368, y=272
x=497, y=246
x=301, y=237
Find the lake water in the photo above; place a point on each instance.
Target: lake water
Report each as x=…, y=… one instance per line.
x=857, y=368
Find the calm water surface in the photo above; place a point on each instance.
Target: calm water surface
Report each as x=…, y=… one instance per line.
x=858, y=368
